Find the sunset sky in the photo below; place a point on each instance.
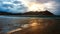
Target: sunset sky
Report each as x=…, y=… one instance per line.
x=16, y=6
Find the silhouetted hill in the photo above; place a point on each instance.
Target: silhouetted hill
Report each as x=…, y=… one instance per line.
x=4, y=13
x=8, y=13
x=40, y=13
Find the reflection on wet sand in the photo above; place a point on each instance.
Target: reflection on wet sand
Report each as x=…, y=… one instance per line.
x=39, y=26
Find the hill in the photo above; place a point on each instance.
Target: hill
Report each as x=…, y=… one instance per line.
x=47, y=13
x=40, y=13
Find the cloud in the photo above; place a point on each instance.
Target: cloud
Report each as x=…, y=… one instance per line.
x=56, y=7
x=51, y=5
x=13, y=7
x=16, y=6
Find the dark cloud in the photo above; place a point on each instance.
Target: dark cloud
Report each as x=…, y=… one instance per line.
x=12, y=6
x=17, y=2
x=42, y=1
x=57, y=1
x=57, y=12
x=56, y=9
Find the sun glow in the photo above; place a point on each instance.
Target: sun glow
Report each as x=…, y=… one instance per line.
x=35, y=6
x=34, y=24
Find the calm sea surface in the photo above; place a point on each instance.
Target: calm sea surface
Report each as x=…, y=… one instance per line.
x=9, y=23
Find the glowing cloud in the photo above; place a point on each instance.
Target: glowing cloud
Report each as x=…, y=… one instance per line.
x=33, y=5
x=36, y=7
x=40, y=5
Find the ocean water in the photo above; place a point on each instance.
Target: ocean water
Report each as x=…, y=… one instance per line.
x=9, y=23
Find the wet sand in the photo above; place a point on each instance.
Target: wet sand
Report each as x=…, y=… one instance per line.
x=40, y=26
